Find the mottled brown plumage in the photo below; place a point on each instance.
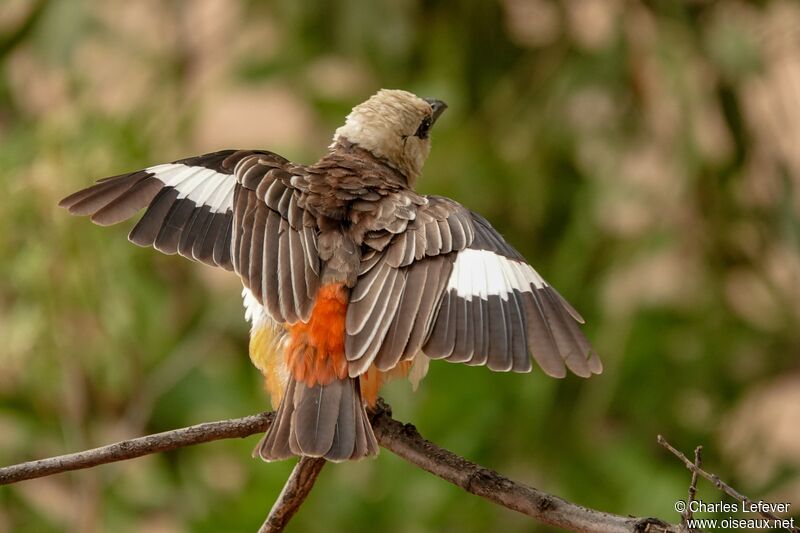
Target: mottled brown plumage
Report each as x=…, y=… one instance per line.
x=349, y=275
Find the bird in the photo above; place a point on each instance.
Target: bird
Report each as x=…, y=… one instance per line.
x=350, y=277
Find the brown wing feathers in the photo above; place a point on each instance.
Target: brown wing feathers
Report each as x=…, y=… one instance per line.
x=289, y=307
x=91, y=200
x=364, y=312
x=466, y=296
x=271, y=284
x=395, y=300
x=189, y=205
x=235, y=209
x=274, y=240
x=441, y=342
x=255, y=240
x=414, y=310
x=520, y=360
x=514, y=312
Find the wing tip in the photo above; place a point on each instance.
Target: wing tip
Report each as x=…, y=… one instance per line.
x=559, y=372
x=101, y=219
x=566, y=305
x=595, y=364
x=135, y=237
x=66, y=202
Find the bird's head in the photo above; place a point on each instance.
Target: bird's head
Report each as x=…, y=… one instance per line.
x=394, y=126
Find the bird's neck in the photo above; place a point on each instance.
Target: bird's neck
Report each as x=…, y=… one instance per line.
x=346, y=154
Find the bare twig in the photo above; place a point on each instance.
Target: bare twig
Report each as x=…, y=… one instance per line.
x=694, y=467
x=688, y=514
x=401, y=439
x=294, y=493
x=130, y=449
x=698, y=462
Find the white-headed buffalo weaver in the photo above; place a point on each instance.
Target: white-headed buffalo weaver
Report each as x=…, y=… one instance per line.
x=350, y=277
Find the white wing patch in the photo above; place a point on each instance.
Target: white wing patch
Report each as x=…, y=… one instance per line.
x=481, y=273
x=201, y=185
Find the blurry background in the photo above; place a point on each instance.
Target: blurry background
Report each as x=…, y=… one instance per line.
x=645, y=156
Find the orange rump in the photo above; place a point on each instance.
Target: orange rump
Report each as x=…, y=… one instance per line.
x=315, y=353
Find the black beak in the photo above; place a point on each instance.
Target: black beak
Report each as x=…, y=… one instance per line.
x=438, y=108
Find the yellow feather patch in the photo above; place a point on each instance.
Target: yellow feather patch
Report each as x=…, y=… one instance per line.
x=266, y=353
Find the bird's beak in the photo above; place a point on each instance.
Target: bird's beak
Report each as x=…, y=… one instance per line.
x=438, y=108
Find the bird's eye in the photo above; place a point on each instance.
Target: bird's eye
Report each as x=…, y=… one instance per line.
x=424, y=128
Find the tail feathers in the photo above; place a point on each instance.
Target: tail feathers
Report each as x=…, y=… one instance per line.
x=274, y=444
x=321, y=421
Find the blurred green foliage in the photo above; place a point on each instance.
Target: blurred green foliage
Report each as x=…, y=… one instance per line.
x=642, y=155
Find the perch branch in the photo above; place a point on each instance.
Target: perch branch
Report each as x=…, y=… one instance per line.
x=696, y=470
x=405, y=441
x=294, y=493
x=402, y=439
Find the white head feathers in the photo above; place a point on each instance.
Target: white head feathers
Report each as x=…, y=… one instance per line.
x=393, y=125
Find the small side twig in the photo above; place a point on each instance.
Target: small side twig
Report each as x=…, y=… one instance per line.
x=696, y=470
x=698, y=463
x=294, y=493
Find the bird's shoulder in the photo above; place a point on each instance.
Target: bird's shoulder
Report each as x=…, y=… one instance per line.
x=347, y=181
x=418, y=227
x=351, y=168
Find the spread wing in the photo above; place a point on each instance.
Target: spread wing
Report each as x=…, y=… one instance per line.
x=451, y=287
x=235, y=209
x=275, y=239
